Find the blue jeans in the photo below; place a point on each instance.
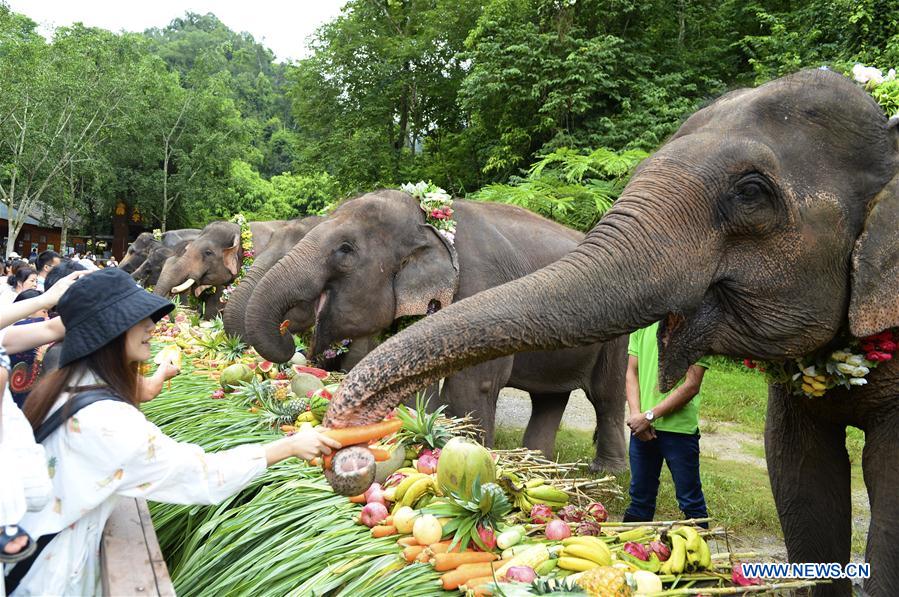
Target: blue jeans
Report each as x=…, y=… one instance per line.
x=681, y=452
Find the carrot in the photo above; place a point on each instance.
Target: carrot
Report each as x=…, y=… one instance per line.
x=443, y=547
x=407, y=541
x=383, y=530
x=411, y=552
x=364, y=434
x=358, y=499
x=389, y=520
x=450, y=561
x=475, y=583
x=454, y=578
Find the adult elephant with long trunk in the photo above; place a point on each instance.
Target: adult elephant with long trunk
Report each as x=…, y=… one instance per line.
x=281, y=242
x=765, y=228
x=376, y=260
x=212, y=259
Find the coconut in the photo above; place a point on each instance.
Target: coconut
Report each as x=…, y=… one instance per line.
x=298, y=358
x=352, y=471
x=232, y=375
x=303, y=383
x=464, y=462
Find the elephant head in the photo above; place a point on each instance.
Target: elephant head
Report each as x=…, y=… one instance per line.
x=761, y=229
x=211, y=259
x=138, y=251
x=372, y=261
x=282, y=241
x=149, y=271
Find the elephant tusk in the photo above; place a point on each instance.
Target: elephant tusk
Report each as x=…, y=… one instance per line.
x=183, y=286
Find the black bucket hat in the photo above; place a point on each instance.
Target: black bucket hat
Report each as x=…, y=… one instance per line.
x=102, y=306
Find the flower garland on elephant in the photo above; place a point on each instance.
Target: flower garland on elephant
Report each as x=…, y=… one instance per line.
x=247, y=255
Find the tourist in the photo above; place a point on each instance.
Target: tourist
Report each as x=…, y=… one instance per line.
x=664, y=428
x=109, y=448
x=24, y=278
x=25, y=367
x=46, y=261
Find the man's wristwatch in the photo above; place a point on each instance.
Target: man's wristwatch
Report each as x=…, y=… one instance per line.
x=649, y=415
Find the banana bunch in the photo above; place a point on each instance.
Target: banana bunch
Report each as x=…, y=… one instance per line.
x=583, y=553
x=689, y=552
x=415, y=491
x=528, y=493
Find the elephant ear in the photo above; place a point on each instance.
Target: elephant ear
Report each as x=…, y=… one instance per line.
x=429, y=277
x=874, y=304
x=231, y=256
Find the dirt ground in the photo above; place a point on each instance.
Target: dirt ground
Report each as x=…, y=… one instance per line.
x=720, y=440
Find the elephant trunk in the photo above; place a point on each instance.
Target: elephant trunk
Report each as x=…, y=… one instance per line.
x=173, y=274
x=235, y=310
x=612, y=284
x=293, y=284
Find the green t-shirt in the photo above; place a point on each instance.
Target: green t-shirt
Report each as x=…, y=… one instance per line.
x=644, y=346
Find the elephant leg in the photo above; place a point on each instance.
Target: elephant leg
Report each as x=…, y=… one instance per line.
x=546, y=415
x=607, y=394
x=881, y=477
x=475, y=390
x=809, y=471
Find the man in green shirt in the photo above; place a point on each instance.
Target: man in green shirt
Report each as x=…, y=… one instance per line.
x=664, y=428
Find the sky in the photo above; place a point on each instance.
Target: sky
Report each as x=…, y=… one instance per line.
x=282, y=25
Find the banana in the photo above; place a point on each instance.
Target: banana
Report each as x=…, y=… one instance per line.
x=535, y=483
x=576, y=564
x=405, y=484
x=547, y=493
x=546, y=567
x=690, y=535
x=408, y=470
x=693, y=560
x=599, y=555
x=588, y=540
x=678, y=558
x=705, y=555
x=633, y=534
x=423, y=501
x=417, y=490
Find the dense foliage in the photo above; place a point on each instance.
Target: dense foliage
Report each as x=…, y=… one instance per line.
x=501, y=99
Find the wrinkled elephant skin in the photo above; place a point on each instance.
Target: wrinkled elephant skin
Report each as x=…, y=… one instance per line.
x=375, y=260
x=763, y=228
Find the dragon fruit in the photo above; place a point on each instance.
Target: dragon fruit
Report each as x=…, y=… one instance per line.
x=394, y=479
x=571, y=513
x=661, y=550
x=638, y=550
x=521, y=574
x=598, y=512
x=488, y=537
x=739, y=579
x=589, y=527
x=541, y=514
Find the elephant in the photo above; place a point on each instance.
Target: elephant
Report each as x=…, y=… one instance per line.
x=212, y=260
x=145, y=243
x=764, y=228
x=281, y=242
x=375, y=260
x=147, y=274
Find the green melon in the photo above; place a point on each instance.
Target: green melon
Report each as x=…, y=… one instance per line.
x=232, y=375
x=464, y=462
x=303, y=383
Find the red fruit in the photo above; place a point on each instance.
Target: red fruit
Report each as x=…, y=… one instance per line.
x=556, y=530
x=660, y=549
x=541, y=514
x=218, y=394
x=638, y=550
x=572, y=513
x=319, y=373
x=589, y=527
x=741, y=581
x=888, y=346
x=748, y=364
x=394, y=479
x=251, y=365
x=488, y=538
x=598, y=512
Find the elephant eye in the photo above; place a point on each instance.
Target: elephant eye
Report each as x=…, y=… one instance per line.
x=345, y=249
x=753, y=189
x=208, y=252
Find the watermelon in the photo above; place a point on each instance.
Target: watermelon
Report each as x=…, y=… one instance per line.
x=319, y=373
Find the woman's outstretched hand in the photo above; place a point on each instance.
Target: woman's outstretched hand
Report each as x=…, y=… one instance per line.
x=312, y=444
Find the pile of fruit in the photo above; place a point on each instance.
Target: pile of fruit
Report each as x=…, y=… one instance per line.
x=444, y=514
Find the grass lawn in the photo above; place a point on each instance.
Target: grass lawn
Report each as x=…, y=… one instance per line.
x=738, y=494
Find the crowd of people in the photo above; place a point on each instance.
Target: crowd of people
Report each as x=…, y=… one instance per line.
x=72, y=438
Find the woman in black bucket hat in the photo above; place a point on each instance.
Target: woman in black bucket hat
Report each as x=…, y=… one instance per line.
x=108, y=448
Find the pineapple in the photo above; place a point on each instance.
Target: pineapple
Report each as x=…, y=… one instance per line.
x=486, y=508
x=421, y=427
x=284, y=413
x=605, y=581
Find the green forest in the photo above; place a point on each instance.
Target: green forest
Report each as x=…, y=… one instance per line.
x=544, y=103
